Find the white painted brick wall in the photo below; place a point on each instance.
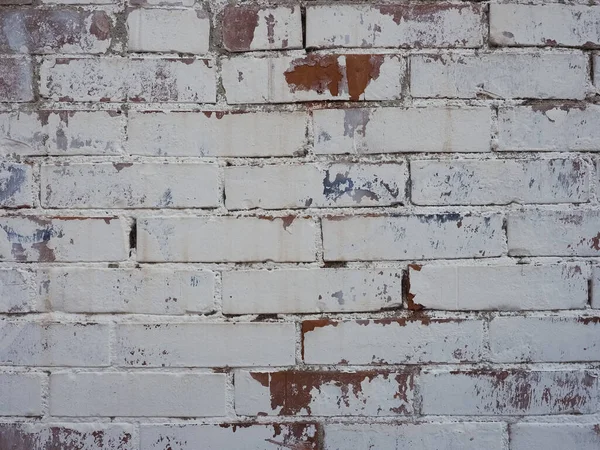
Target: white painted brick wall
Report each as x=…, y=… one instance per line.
x=581, y=436
x=21, y=394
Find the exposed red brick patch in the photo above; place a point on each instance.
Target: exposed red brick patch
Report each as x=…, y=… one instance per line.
x=100, y=25
x=239, y=24
x=315, y=73
x=422, y=12
x=360, y=70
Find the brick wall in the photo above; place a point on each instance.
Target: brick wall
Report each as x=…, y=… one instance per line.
x=314, y=226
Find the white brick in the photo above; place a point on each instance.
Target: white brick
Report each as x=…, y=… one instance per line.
x=317, y=186
x=21, y=394
x=282, y=79
x=168, y=30
x=147, y=290
x=141, y=394
x=554, y=233
x=544, y=339
x=392, y=341
x=130, y=185
x=396, y=25
x=79, y=2
x=379, y=238
x=17, y=293
x=224, y=239
x=54, y=344
x=62, y=133
x=527, y=436
x=563, y=127
x=310, y=291
x=17, y=187
x=222, y=344
x=596, y=287
x=216, y=133
x=515, y=392
x=324, y=393
x=554, y=24
x=80, y=436
x=519, y=287
x=48, y=239
x=186, y=80
x=422, y=436
x=16, y=79
x=229, y=436
x=499, y=182
x=428, y=129
x=251, y=27
x=504, y=75
x=162, y=2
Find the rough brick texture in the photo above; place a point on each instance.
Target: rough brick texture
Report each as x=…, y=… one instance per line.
x=305, y=225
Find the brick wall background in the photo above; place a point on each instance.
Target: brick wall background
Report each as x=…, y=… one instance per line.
x=311, y=226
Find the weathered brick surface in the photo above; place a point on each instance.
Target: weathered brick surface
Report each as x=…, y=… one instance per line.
x=55, y=31
x=310, y=290
x=359, y=393
x=391, y=341
x=250, y=27
x=126, y=394
x=499, y=182
x=429, y=129
x=335, y=185
x=395, y=25
x=167, y=30
x=508, y=392
x=499, y=75
x=412, y=237
x=510, y=288
x=549, y=24
x=238, y=225
x=130, y=185
x=176, y=345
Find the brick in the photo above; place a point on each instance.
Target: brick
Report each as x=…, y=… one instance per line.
x=324, y=393
x=499, y=182
x=310, y=291
x=81, y=436
x=524, y=436
x=79, y=2
x=547, y=24
x=16, y=79
x=54, y=344
x=230, y=436
x=162, y=2
x=147, y=290
x=17, y=187
x=282, y=79
x=223, y=344
x=381, y=238
x=216, y=133
x=424, y=436
x=554, y=127
x=315, y=185
x=508, y=392
x=40, y=31
x=127, y=394
x=15, y=2
x=511, y=288
x=544, y=339
x=17, y=292
x=553, y=233
x=392, y=341
x=224, y=239
x=21, y=394
x=596, y=74
x=425, y=129
x=395, y=25
x=168, y=30
x=66, y=239
x=185, y=80
x=130, y=185
x=503, y=75
x=595, y=287
x=251, y=27
x=62, y=133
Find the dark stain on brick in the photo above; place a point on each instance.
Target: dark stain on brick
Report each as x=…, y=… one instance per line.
x=100, y=25
x=355, y=122
x=360, y=70
x=545, y=106
x=239, y=24
x=121, y=166
x=596, y=242
x=12, y=184
x=292, y=390
x=218, y=114
x=287, y=221
x=588, y=320
x=420, y=12
x=270, y=19
x=315, y=73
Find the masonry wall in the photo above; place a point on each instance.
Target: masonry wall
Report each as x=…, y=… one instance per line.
x=314, y=225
